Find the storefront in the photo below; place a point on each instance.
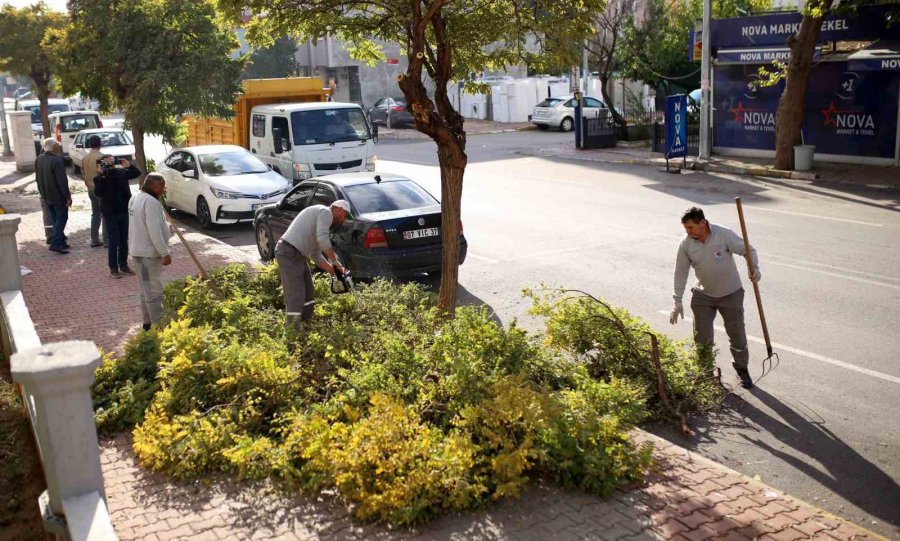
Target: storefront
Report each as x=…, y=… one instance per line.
x=853, y=101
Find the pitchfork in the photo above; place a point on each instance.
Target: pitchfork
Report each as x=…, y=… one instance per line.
x=772, y=360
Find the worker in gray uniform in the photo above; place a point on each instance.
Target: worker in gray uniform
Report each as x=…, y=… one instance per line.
x=709, y=250
x=307, y=237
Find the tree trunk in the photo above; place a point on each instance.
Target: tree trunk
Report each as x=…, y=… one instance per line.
x=607, y=99
x=137, y=131
x=453, y=161
x=789, y=119
x=43, y=98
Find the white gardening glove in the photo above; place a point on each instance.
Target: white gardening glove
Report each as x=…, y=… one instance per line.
x=756, y=276
x=677, y=310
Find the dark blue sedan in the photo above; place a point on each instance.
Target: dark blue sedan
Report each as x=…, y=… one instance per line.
x=395, y=228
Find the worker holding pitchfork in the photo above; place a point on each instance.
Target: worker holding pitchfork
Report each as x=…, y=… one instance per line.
x=709, y=249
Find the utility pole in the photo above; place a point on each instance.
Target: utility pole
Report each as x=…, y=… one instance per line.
x=705, y=104
x=586, y=79
x=4, y=131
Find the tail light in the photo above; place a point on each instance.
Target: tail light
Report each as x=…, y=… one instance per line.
x=398, y=108
x=59, y=133
x=375, y=238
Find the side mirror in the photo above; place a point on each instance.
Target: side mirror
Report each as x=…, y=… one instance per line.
x=190, y=173
x=375, y=132
x=286, y=144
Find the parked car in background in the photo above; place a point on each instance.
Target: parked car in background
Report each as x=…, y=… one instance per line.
x=559, y=112
x=394, y=229
x=391, y=112
x=113, y=141
x=219, y=183
x=54, y=105
x=66, y=124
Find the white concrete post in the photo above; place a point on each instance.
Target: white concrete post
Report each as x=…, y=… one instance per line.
x=23, y=139
x=10, y=275
x=57, y=382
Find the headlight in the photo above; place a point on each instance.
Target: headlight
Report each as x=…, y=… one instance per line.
x=370, y=162
x=302, y=170
x=225, y=194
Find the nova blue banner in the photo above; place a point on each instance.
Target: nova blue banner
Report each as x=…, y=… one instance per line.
x=744, y=115
x=773, y=30
x=852, y=113
x=676, y=126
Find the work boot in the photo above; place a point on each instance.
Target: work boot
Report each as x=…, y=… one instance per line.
x=126, y=270
x=115, y=273
x=744, y=374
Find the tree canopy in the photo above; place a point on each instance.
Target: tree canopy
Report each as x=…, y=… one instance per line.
x=444, y=41
x=153, y=59
x=22, y=51
x=273, y=61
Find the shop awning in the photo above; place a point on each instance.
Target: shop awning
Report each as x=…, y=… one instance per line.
x=883, y=55
x=756, y=55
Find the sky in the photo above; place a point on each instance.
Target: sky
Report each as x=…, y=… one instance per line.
x=58, y=5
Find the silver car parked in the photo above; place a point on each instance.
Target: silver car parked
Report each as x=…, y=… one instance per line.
x=559, y=112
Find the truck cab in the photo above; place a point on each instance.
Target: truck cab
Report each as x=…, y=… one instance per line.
x=303, y=140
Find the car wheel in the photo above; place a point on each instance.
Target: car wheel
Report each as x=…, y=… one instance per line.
x=542, y=127
x=203, y=214
x=567, y=124
x=264, y=242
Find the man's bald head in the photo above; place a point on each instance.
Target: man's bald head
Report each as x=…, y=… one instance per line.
x=154, y=184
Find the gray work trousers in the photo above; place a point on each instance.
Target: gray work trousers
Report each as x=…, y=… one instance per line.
x=96, y=219
x=732, y=309
x=297, y=283
x=149, y=273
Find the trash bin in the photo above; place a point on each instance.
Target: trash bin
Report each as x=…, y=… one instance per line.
x=803, y=157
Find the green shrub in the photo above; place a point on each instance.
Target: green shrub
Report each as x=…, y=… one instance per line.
x=614, y=344
x=402, y=413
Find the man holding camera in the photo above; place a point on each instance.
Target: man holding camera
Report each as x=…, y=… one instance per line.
x=111, y=186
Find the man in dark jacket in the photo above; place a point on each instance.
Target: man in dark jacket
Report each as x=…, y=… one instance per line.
x=111, y=186
x=53, y=185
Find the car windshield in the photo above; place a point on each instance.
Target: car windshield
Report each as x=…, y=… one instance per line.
x=231, y=163
x=388, y=196
x=78, y=122
x=549, y=102
x=35, y=111
x=329, y=126
x=111, y=138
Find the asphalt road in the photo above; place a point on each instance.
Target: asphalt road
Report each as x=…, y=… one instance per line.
x=823, y=426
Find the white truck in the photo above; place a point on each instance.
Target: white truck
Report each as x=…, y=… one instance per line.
x=289, y=125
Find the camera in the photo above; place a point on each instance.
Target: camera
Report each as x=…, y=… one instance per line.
x=104, y=168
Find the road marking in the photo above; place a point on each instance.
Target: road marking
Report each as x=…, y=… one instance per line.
x=818, y=216
x=811, y=355
x=835, y=274
x=834, y=268
x=482, y=258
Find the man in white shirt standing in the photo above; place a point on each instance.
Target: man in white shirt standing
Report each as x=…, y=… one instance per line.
x=307, y=237
x=148, y=238
x=709, y=250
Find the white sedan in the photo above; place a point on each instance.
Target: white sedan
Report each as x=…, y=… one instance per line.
x=219, y=183
x=559, y=112
x=114, y=141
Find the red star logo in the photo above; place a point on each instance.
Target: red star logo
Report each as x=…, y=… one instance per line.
x=740, y=110
x=829, y=119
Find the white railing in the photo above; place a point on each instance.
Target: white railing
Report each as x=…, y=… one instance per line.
x=55, y=381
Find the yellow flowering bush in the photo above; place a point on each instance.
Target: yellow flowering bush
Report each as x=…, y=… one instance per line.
x=400, y=412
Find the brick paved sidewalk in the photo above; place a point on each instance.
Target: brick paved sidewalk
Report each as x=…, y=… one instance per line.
x=689, y=498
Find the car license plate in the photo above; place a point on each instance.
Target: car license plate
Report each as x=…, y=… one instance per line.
x=420, y=233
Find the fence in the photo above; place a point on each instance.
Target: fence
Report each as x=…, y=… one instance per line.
x=55, y=381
